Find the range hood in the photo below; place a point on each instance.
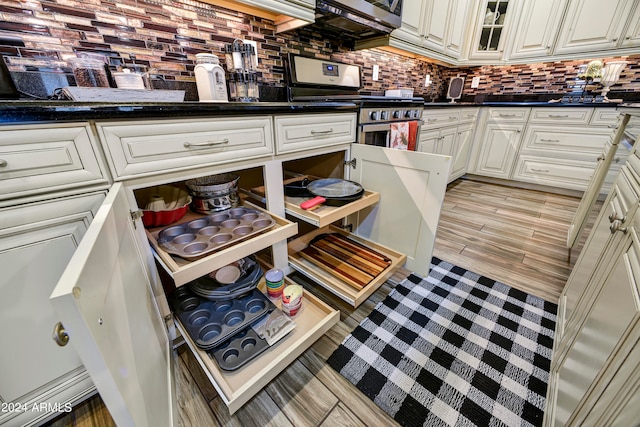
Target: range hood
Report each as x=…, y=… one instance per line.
x=358, y=19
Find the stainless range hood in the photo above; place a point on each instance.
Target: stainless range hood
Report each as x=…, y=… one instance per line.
x=358, y=19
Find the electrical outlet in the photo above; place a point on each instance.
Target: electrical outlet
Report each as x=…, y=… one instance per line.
x=427, y=80
x=376, y=72
x=475, y=82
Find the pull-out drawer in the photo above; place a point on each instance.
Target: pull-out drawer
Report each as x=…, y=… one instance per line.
x=185, y=270
x=562, y=173
x=509, y=114
x=237, y=387
x=468, y=114
x=327, y=269
x=441, y=117
x=605, y=117
x=566, y=139
x=298, y=133
x=566, y=115
x=42, y=159
x=152, y=147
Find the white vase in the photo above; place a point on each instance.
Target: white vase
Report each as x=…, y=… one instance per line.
x=611, y=74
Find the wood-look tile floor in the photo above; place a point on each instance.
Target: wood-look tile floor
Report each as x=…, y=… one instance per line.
x=512, y=235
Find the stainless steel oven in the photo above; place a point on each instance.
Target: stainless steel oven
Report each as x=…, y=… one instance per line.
x=391, y=124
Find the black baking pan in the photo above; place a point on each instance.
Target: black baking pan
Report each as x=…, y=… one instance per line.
x=332, y=192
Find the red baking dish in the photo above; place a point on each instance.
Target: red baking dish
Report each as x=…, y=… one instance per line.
x=162, y=205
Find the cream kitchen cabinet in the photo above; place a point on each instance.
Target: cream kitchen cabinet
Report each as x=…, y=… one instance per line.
x=52, y=182
x=113, y=304
x=595, y=355
x=287, y=14
x=495, y=153
x=594, y=26
x=449, y=131
x=492, y=28
x=445, y=25
x=538, y=24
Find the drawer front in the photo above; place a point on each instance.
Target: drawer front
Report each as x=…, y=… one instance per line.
x=569, y=115
x=299, y=133
x=442, y=117
x=149, y=147
x=509, y=114
x=561, y=173
x=605, y=117
x=468, y=115
x=42, y=159
x=572, y=140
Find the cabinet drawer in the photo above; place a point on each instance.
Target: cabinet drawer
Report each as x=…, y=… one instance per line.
x=151, y=147
x=568, y=115
x=331, y=282
x=468, y=115
x=605, y=117
x=443, y=117
x=183, y=271
x=577, y=140
x=237, y=387
x=297, y=133
x=509, y=114
x=42, y=159
x=561, y=173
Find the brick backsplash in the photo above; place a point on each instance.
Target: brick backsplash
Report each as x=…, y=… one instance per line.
x=166, y=35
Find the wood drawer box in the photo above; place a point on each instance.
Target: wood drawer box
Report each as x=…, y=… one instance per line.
x=565, y=115
x=329, y=281
x=183, y=271
x=562, y=173
x=42, y=159
x=152, y=147
x=576, y=140
x=237, y=387
x=299, y=133
x=440, y=117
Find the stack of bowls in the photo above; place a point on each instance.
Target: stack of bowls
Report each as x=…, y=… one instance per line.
x=274, y=279
x=214, y=193
x=292, y=299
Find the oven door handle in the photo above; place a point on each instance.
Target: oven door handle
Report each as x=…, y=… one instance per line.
x=376, y=127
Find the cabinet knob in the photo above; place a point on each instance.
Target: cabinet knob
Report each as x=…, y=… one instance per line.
x=617, y=226
x=60, y=335
x=3, y=163
x=614, y=217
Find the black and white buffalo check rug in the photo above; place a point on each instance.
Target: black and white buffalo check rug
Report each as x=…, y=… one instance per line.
x=453, y=349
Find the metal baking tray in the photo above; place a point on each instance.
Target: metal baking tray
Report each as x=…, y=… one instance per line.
x=209, y=323
x=239, y=350
x=202, y=236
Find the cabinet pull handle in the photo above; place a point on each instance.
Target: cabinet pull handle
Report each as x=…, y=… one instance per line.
x=452, y=117
x=559, y=116
x=3, y=163
x=205, y=144
x=540, y=170
x=549, y=140
x=506, y=115
x=432, y=120
x=617, y=226
x=320, y=132
x=614, y=217
x=60, y=335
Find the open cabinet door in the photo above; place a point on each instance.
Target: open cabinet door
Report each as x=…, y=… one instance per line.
x=411, y=186
x=105, y=302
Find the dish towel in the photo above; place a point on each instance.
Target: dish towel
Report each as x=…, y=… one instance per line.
x=399, y=136
x=413, y=135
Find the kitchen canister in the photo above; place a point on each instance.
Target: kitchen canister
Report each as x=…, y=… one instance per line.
x=292, y=299
x=210, y=79
x=89, y=72
x=274, y=279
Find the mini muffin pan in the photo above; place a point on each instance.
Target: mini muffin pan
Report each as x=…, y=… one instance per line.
x=238, y=350
x=213, y=232
x=209, y=323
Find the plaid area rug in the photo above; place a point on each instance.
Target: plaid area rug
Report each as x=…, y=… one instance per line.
x=453, y=349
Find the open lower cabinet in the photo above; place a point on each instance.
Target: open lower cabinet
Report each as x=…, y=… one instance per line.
x=113, y=297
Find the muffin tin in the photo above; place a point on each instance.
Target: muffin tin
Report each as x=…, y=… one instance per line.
x=204, y=235
x=239, y=349
x=209, y=323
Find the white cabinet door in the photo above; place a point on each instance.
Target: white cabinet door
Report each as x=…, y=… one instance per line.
x=435, y=24
x=463, y=148
x=537, y=28
x=36, y=241
x=459, y=18
x=412, y=187
x=632, y=35
x=500, y=144
x=105, y=302
x=592, y=25
x=412, y=24
x=428, y=141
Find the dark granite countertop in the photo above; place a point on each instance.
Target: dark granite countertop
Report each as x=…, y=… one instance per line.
x=519, y=104
x=13, y=112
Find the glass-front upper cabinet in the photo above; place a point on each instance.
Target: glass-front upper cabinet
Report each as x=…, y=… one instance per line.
x=491, y=29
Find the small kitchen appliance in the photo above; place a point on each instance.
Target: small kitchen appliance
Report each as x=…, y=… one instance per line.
x=379, y=117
